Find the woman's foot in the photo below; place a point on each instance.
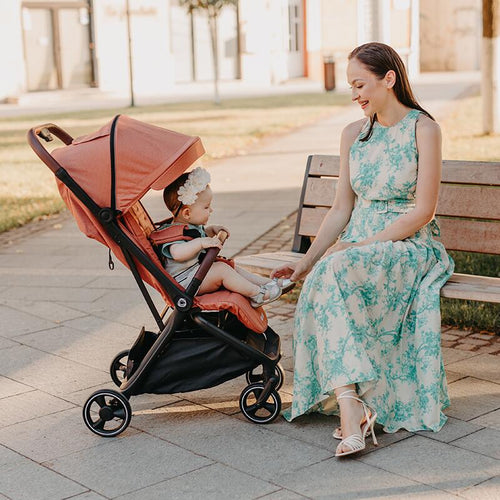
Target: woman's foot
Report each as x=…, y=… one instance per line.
x=351, y=415
x=357, y=419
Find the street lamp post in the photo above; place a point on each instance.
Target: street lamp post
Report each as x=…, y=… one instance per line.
x=130, y=66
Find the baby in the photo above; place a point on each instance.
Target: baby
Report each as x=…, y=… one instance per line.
x=189, y=199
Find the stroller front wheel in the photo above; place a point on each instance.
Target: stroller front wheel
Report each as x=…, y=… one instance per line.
x=262, y=413
x=107, y=413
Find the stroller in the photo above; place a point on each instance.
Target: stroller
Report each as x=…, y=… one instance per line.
x=202, y=341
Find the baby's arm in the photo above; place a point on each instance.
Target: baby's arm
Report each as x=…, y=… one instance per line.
x=185, y=251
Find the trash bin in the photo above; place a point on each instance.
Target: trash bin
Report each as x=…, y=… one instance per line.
x=329, y=72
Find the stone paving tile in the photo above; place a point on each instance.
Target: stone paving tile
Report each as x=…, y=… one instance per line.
x=9, y=456
x=9, y=387
x=6, y=343
x=491, y=419
x=485, y=441
x=28, y=262
x=316, y=429
x=230, y=441
x=215, y=482
x=47, y=372
x=28, y=406
x=133, y=316
x=51, y=436
x=47, y=279
x=452, y=376
x=90, y=495
x=453, y=355
x=14, y=322
x=487, y=490
x=95, y=349
x=436, y=464
x=42, y=483
x=283, y=494
x=471, y=398
x=51, y=311
x=56, y=294
x=453, y=429
x=142, y=461
x=349, y=479
x=483, y=366
x=113, y=282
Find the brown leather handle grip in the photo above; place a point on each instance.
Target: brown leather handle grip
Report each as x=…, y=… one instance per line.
x=45, y=131
x=210, y=257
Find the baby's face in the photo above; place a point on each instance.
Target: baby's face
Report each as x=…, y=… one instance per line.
x=201, y=209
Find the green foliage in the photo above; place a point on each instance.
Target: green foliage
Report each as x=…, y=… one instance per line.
x=212, y=6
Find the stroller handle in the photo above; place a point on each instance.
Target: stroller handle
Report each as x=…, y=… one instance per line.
x=207, y=262
x=45, y=132
x=222, y=235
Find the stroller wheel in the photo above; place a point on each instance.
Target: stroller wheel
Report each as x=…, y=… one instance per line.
x=118, y=367
x=253, y=377
x=263, y=413
x=107, y=413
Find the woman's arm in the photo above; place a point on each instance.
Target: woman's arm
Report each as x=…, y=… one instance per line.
x=337, y=217
x=428, y=136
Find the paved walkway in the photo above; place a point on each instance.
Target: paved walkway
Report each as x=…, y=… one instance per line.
x=63, y=316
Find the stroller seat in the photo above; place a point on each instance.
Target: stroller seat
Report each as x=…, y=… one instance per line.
x=143, y=229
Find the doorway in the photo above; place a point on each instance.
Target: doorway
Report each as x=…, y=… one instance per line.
x=57, y=45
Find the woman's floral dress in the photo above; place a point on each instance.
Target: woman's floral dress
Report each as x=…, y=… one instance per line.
x=370, y=315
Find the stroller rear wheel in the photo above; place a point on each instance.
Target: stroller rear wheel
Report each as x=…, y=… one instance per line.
x=253, y=377
x=262, y=413
x=118, y=367
x=107, y=413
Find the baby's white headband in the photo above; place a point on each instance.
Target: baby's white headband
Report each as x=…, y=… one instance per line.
x=196, y=182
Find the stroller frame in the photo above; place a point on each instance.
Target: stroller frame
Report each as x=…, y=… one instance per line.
x=112, y=406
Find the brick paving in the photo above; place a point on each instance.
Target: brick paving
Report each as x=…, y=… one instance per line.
x=280, y=238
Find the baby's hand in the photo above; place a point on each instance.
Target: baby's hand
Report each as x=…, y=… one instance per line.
x=211, y=242
x=214, y=230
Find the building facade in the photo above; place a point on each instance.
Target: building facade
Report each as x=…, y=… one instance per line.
x=65, y=44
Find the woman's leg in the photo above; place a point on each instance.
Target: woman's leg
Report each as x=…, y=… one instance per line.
x=223, y=275
x=351, y=415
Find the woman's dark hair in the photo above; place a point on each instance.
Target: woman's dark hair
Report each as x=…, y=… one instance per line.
x=379, y=58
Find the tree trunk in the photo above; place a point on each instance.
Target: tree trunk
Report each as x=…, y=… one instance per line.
x=490, y=78
x=212, y=21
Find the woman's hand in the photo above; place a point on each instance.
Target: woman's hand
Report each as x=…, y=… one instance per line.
x=294, y=270
x=210, y=242
x=214, y=230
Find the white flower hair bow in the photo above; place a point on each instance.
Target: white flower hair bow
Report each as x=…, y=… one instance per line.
x=196, y=182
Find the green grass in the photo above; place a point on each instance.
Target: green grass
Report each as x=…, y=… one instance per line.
x=27, y=187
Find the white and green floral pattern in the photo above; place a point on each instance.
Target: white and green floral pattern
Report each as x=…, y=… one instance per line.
x=370, y=315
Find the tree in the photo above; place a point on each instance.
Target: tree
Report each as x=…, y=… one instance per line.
x=490, y=63
x=212, y=8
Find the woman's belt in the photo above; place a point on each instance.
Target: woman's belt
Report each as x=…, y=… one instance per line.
x=384, y=206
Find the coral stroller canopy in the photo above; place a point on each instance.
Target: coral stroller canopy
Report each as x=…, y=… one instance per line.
x=146, y=157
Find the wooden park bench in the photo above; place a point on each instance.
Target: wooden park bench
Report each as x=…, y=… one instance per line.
x=468, y=213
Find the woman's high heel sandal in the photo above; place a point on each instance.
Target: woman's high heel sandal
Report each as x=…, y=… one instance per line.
x=356, y=442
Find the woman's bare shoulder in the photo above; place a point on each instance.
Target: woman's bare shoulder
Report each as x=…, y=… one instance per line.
x=427, y=127
x=352, y=130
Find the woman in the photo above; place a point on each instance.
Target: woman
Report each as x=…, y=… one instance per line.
x=368, y=321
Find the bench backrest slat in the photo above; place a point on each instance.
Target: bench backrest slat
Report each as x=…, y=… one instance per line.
x=468, y=210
